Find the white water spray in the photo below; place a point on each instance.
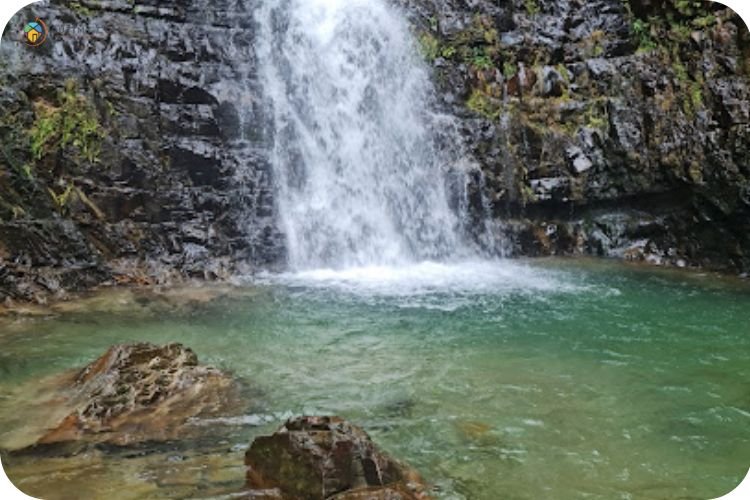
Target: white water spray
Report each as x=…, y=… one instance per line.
x=361, y=177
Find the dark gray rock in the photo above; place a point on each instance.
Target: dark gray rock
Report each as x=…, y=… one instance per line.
x=180, y=180
x=640, y=107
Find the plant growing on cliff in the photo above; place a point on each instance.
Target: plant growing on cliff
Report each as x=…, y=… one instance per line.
x=481, y=60
x=596, y=116
x=22, y=170
x=80, y=8
x=62, y=200
x=9, y=210
x=532, y=7
x=448, y=51
x=429, y=45
x=672, y=23
x=688, y=8
x=509, y=70
x=642, y=31
x=679, y=32
x=692, y=87
x=71, y=194
x=595, y=43
x=72, y=123
x=482, y=104
x=478, y=45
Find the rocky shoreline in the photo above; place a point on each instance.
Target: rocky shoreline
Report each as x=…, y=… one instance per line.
x=179, y=295
x=138, y=395
x=183, y=294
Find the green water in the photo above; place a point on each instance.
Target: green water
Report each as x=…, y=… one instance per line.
x=558, y=379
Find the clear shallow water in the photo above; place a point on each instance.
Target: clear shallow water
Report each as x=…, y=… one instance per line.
x=561, y=379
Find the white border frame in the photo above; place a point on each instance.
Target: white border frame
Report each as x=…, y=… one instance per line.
x=9, y=8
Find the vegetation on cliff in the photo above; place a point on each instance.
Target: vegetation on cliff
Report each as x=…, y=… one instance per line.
x=70, y=123
x=595, y=122
x=44, y=148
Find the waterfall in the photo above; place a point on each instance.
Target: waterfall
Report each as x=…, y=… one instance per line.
x=365, y=172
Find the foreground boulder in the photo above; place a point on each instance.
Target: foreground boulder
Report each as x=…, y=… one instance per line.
x=141, y=392
x=327, y=458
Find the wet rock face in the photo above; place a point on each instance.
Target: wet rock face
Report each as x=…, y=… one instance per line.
x=141, y=392
x=178, y=187
x=606, y=127
x=326, y=457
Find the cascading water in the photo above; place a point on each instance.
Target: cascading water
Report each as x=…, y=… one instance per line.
x=361, y=176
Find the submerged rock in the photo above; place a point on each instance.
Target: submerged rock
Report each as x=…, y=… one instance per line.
x=142, y=392
x=327, y=457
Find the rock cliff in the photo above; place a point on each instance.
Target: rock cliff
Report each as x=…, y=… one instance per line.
x=606, y=127
x=134, y=140
x=132, y=146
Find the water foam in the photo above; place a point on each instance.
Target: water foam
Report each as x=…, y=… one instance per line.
x=463, y=278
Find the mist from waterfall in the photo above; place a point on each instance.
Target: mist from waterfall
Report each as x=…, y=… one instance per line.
x=366, y=174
